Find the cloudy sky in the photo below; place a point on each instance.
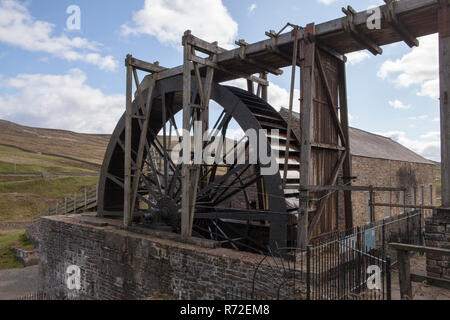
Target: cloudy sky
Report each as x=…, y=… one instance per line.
x=56, y=77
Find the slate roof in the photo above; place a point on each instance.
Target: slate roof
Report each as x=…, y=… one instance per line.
x=370, y=145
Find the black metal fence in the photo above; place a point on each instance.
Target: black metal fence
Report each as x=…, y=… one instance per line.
x=351, y=265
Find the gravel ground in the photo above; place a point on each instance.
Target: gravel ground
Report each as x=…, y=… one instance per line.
x=421, y=291
x=16, y=283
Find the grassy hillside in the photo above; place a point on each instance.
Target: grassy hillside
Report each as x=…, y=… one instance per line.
x=88, y=147
x=23, y=197
x=8, y=240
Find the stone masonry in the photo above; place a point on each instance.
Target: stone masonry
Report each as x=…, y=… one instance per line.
x=437, y=234
x=119, y=264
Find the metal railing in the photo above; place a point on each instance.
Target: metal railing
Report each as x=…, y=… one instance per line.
x=350, y=265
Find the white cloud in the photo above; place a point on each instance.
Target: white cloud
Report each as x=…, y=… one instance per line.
x=168, y=19
x=60, y=101
x=428, y=145
x=397, y=104
x=20, y=29
x=423, y=117
x=278, y=96
x=252, y=8
x=418, y=67
x=437, y=120
x=357, y=57
x=353, y=119
x=327, y=2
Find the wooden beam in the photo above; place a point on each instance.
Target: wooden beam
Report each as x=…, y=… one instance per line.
x=327, y=146
x=141, y=147
x=127, y=217
x=398, y=26
x=351, y=188
x=420, y=249
x=186, y=167
x=444, y=71
x=308, y=93
x=291, y=105
x=347, y=166
x=404, y=275
x=242, y=56
x=360, y=37
x=146, y=66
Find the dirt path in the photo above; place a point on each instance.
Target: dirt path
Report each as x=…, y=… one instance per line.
x=16, y=283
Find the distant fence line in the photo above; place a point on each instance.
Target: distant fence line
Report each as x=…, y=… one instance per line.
x=47, y=174
x=82, y=200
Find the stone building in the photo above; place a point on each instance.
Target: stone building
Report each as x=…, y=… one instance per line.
x=381, y=162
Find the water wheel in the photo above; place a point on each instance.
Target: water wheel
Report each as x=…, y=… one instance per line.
x=236, y=204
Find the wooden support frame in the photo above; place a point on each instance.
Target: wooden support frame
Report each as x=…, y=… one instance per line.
x=360, y=37
x=307, y=91
x=347, y=166
x=192, y=113
x=398, y=26
x=444, y=71
x=291, y=103
x=133, y=168
x=404, y=267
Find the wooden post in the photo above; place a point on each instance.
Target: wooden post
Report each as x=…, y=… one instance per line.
x=186, y=167
x=404, y=274
x=307, y=86
x=127, y=218
x=291, y=104
x=347, y=166
x=444, y=71
x=265, y=91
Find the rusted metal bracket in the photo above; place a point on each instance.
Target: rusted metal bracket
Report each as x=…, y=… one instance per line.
x=350, y=28
x=398, y=26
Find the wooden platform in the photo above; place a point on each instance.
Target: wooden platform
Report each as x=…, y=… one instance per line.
x=419, y=17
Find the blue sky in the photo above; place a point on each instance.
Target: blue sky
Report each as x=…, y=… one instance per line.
x=54, y=77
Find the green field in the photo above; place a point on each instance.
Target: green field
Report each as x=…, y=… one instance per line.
x=35, y=162
x=8, y=240
x=22, y=198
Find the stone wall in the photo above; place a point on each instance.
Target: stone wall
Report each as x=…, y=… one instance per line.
x=417, y=178
x=437, y=234
x=118, y=264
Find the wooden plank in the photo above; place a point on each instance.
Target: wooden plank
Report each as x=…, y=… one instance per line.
x=441, y=283
x=420, y=249
x=185, y=168
x=327, y=146
x=146, y=66
x=407, y=206
x=128, y=123
x=308, y=93
x=398, y=26
x=350, y=188
x=324, y=199
x=291, y=105
x=142, y=143
x=331, y=105
x=347, y=166
x=324, y=32
x=444, y=71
